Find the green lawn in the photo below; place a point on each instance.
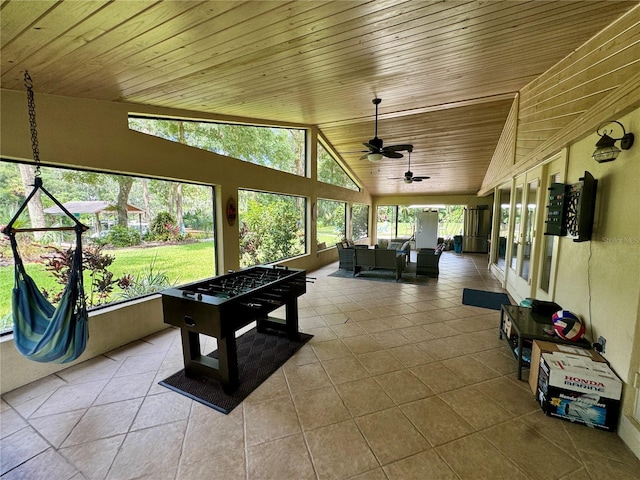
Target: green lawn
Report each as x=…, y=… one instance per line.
x=182, y=263
x=328, y=235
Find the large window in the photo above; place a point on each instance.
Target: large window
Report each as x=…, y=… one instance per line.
x=359, y=221
x=395, y=221
x=386, y=222
x=331, y=221
x=330, y=171
x=278, y=148
x=399, y=221
x=145, y=234
x=272, y=227
x=450, y=220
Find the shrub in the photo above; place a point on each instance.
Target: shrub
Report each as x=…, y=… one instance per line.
x=124, y=237
x=144, y=283
x=59, y=263
x=164, y=227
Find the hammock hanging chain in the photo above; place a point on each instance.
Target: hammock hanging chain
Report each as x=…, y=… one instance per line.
x=32, y=121
x=42, y=332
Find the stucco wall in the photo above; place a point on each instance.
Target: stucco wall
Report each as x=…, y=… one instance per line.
x=95, y=135
x=109, y=329
x=600, y=279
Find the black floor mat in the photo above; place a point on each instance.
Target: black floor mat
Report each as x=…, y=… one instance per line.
x=482, y=298
x=259, y=355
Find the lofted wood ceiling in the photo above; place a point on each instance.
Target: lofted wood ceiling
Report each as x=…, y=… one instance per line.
x=447, y=71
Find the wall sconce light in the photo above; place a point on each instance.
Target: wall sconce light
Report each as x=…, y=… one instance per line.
x=606, y=150
x=374, y=157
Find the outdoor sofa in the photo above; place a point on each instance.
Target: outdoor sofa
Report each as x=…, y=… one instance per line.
x=378, y=258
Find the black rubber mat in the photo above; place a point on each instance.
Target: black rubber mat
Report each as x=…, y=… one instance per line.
x=482, y=298
x=259, y=355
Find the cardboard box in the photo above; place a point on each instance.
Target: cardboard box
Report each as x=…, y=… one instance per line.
x=578, y=389
x=539, y=347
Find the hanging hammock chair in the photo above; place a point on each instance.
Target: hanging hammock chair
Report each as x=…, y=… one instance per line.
x=42, y=332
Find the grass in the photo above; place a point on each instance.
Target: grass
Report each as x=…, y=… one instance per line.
x=182, y=263
x=328, y=235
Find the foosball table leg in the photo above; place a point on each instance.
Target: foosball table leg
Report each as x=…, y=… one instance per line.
x=228, y=363
x=291, y=312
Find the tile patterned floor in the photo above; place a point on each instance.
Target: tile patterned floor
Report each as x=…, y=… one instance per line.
x=399, y=382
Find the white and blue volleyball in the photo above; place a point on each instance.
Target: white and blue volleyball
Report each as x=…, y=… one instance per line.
x=568, y=325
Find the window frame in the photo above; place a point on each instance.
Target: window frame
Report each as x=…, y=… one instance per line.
x=121, y=302
x=302, y=222
x=304, y=163
x=321, y=142
x=344, y=232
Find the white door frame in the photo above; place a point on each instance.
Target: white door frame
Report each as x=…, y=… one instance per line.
x=556, y=167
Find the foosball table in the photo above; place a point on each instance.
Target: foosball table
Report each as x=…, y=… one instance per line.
x=219, y=306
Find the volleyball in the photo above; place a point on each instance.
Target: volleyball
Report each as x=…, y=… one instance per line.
x=567, y=325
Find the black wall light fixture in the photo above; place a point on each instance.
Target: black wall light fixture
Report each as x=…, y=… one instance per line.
x=606, y=150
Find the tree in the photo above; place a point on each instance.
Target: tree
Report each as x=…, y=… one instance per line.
x=269, y=226
x=330, y=171
x=279, y=148
x=36, y=211
x=124, y=188
x=262, y=238
x=179, y=216
x=146, y=198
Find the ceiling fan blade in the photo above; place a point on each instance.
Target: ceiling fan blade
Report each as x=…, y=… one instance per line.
x=365, y=156
x=416, y=179
x=391, y=154
x=399, y=148
x=419, y=179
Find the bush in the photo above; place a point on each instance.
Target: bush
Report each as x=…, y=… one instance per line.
x=124, y=237
x=148, y=281
x=164, y=228
x=59, y=262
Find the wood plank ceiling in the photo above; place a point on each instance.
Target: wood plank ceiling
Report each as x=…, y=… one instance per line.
x=447, y=71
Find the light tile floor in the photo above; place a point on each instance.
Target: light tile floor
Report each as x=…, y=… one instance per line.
x=400, y=382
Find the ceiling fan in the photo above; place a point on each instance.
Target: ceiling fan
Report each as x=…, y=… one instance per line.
x=375, y=145
x=409, y=177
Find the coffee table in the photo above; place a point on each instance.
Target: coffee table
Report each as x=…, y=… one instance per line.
x=524, y=324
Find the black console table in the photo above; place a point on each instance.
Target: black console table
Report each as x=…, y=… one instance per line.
x=523, y=324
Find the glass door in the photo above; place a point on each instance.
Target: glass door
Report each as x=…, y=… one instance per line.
x=554, y=172
x=500, y=253
x=516, y=236
x=520, y=277
x=529, y=230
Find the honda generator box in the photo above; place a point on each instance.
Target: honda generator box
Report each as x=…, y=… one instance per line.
x=540, y=347
x=580, y=390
